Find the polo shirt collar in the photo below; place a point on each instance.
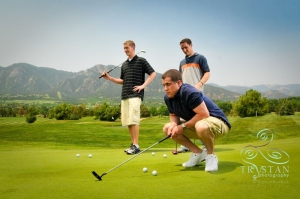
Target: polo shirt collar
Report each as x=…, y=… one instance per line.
x=177, y=95
x=191, y=56
x=134, y=58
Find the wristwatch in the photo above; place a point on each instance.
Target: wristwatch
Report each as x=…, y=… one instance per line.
x=183, y=126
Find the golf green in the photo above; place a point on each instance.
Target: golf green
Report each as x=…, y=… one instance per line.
x=46, y=171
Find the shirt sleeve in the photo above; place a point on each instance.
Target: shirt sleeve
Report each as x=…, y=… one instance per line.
x=122, y=71
x=194, y=99
x=147, y=67
x=203, y=64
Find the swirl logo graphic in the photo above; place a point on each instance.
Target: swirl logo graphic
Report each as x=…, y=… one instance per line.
x=275, y=157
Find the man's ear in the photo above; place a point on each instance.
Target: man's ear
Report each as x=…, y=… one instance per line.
x=179, y=82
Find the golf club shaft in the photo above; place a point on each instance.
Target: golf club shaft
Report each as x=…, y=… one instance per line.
x=120, y=64
x=138, y=154
x=100, y=177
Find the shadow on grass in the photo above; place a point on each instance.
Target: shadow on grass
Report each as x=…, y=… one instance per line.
x=222, y=149
x=170, y=150
x=224, y=167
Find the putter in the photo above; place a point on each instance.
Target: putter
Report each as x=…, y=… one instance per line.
x=175, y=151
x=100, y=177
x=142, y=51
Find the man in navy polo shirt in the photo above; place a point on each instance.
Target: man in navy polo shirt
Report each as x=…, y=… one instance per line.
x=204, y=120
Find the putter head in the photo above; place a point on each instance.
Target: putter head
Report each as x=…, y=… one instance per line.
x=174, y=152
x=97, y=176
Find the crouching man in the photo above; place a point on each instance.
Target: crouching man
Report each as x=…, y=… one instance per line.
x=204, y=120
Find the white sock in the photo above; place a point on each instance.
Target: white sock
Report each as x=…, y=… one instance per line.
x=137, y=146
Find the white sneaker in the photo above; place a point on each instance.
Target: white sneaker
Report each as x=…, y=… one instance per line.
x=211, y=163
x=182, y=149
x=195, y=159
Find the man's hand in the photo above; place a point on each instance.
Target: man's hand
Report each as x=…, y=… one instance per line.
x=138, y=88
x=174, y=130
x=198, y=86
x=105, y=75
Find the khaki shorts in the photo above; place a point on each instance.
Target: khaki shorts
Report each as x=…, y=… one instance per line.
x=130, y=111
x=216, y=126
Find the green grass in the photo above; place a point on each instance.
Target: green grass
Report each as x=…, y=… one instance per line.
x=58, y=173
x=39, y=161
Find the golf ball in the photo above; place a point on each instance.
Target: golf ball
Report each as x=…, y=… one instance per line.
x=77, y=155
x=154, y=173
x=165, y=155
x=153, y=153
x=90, y=155
x=145, y=169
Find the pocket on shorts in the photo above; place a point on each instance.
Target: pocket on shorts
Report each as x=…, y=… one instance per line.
x=136, y=115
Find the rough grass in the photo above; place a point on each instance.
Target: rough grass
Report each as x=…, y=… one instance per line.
x=88, y=132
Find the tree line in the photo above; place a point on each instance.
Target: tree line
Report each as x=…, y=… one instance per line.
x=248, y=105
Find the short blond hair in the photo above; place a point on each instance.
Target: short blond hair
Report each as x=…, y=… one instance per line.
x=130, y=43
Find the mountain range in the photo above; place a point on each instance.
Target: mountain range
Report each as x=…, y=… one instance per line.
x=25, y=80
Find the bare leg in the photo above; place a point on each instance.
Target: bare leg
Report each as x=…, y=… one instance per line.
x=206, y=136
x=134, y=131
x=181, y=139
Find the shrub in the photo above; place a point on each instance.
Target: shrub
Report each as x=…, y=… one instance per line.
x=30, y=118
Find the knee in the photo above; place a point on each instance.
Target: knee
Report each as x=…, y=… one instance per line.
x=201, y=129
x=166, y=127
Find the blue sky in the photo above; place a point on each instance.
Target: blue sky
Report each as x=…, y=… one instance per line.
x=246, y=42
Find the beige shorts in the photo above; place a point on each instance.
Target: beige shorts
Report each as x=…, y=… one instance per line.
x=216, y=126
x=130, y=111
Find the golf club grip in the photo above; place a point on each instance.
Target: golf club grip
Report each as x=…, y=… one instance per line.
x=106, y=72
x=164, y=139
x=121, y=64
